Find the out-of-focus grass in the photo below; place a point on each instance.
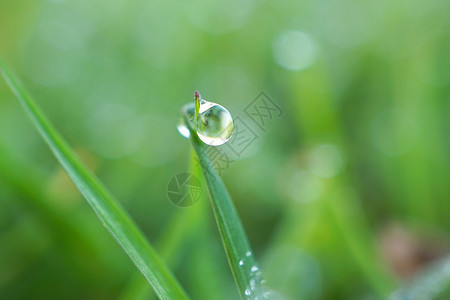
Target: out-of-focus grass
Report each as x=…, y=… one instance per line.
x=109, y=73
x=110, y=213
x=186, y=229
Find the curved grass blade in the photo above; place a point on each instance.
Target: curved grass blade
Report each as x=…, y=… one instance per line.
x=109, y=211
x=243, y=265
x=185, y=227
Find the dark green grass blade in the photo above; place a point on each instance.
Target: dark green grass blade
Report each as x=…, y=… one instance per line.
x=110, y=213
x=240, y=256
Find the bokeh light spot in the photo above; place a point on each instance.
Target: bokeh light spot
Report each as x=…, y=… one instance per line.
x=325, y=161
x=305, y=187
x=294, y=50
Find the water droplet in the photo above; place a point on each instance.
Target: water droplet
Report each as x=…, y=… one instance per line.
x=254, y=269
x=241, y=262
x=214, y=123
x=248, y=253
x=253, y=284
x=247, y=292
x=182, y=128
x=188, y=109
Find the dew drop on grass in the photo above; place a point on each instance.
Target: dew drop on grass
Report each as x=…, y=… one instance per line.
x=214, y=123
x=188, y=109
x=254, y=269
x=253, y=284
x=256, y=288
x=182, y=128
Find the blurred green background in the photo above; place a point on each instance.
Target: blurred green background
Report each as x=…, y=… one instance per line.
x=345, y=196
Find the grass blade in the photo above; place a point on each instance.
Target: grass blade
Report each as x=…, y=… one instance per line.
x=243, y=265
x=109, y=211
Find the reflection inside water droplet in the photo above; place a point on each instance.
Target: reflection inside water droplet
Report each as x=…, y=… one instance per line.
x=214, y=123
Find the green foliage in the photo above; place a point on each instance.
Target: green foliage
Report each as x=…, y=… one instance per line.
x=354, y=172
x=108, y=210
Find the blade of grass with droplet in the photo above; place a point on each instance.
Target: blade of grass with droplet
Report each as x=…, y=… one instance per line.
x=243, y=265
x=109, y=211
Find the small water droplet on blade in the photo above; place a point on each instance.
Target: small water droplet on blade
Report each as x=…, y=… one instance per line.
x=189, y=110
x=183, y=130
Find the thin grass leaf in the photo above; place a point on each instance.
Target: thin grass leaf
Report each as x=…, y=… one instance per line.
x=108, y=210
x=243, y=265
x=183, y=228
